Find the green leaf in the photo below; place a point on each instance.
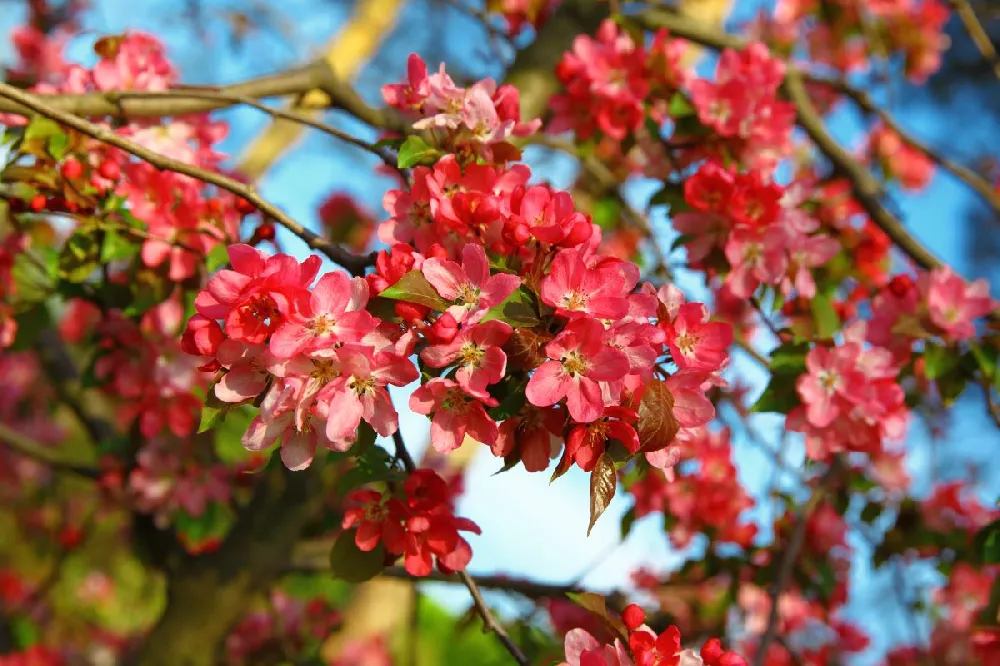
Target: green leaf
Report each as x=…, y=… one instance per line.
x=351, y=564
x=680, y=106
x=415, y=151
x=214, y=411
x=603, y=483
x=229, y=434
x=988, y=542
x=518, y=310
x=42, y=129
x=779, y=396
x=80, y=256
x=217, y=257
x=373, y=464
x=58, y=145
x=939, y=360
x=512, y=402
x=789, y=358
x=672, y=195
x=116, y=247
x=628, y=521
x=30, y=324
x=597, y=605
x=214, y=522
x=826, y=317
x=986, y=358
x=414, y=288
x=606, y=213
x=34, y=273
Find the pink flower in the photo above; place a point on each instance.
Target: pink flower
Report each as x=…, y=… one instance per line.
x=832, y=372
x=335, y=314
x=695, y=342
x=576, y=290
x=249, y=297
x=476, y=348
x=408, y=96
x=582, y=649
x=954, y=304
x=580, y=360
x=755, y=258
x=806, y=252
x=360, y=393
x=455, y=415
x=469, y=286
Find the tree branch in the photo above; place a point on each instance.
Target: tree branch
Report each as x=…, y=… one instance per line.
x=787, y=566
x=29, y=448
x=179, y=102
x=353, y=263
x=860, y=97
x=977, y=34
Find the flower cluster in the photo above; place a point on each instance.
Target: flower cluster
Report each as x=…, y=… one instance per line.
x=938, y=304
x=474, y=121
x=644, y=647
x=288, y=625
x=184, y=220
x=765, y=236
x=704, y=495
x=900, y=160
x=912, y=28
x=421, y=526
x=851, y=399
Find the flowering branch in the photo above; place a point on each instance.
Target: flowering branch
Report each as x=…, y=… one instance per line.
x=353, y=263
x=490, y=622
x=867, y=189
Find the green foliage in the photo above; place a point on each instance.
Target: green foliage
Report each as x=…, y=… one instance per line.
x=788, y=362
x=518, y=310
x=825, y=315
x=415, y=151
x=353, y=565
x=414, y=288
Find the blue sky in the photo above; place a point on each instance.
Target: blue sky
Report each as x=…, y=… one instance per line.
x=529, y=527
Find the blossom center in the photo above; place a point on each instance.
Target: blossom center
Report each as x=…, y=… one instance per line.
x=574, y=300
x=472, y=354
x=322, y=325
x=324, y=370
x=573, y=364
x=829, y=381
x=468, y=294
x=363, y=385
x=687, y=342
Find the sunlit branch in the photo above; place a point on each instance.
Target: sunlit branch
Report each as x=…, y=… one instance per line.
x=354, y=263
x=977, y=34
x=860, y=97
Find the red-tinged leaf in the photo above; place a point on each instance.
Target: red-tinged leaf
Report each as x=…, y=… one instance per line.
x=414, y=288
x=603, y=481
x=657, y=425
x=564, y=464
x=525, y=349
x=351, y=564
x=597, y=605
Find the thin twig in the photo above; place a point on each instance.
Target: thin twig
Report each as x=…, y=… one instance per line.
x=977, y=34
x=788, y=561
x=490, y=622
x=355, y=264
x=292, y=116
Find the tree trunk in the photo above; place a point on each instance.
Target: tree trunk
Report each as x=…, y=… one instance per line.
x=207, y=595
